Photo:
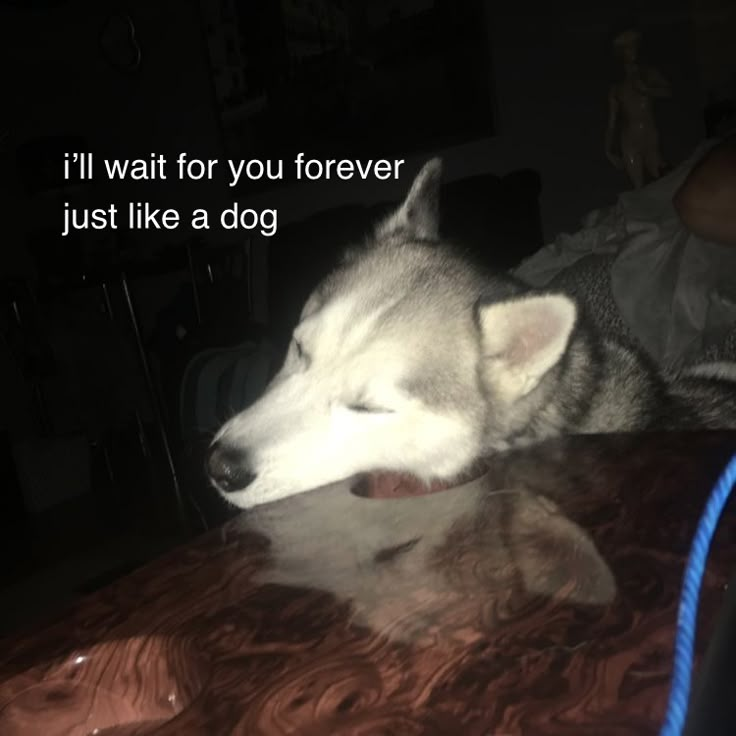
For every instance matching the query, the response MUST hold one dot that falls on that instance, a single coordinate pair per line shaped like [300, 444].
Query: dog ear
[522, 339]
[418, 216]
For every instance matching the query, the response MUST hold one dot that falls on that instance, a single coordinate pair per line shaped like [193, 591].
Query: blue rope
[674, 721]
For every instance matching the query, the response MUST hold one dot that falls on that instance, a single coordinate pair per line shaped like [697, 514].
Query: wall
[58, 85]
[715, 30]
[552, 82]
[552, 75]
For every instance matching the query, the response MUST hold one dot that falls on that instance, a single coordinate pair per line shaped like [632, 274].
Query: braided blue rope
[674, 721]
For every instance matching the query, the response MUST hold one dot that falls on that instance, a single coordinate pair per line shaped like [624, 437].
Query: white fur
[373, 342]
[410, 359]
[524, 338]
[303, 434]
[721, 370]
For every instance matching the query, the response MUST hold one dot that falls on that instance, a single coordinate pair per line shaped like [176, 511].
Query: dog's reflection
[466, 559]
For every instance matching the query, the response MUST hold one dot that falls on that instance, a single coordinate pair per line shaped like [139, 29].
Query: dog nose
[228, 468]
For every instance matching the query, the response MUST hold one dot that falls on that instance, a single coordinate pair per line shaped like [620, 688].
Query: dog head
[406, 358]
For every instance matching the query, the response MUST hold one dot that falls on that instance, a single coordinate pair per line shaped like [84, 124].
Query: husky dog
[411, 359]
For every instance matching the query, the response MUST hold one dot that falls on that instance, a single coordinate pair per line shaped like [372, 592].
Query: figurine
[630, 112]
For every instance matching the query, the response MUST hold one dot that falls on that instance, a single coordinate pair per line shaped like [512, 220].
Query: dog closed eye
[363, 408]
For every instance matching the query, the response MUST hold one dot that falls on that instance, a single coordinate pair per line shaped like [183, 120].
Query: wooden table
[539, 599]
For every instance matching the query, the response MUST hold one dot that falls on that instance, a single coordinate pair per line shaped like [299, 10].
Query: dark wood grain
[537, 599]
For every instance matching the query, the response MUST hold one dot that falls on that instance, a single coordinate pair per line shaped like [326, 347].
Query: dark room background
[534, 98]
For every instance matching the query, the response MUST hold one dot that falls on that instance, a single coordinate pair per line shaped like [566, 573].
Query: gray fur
[410, 358]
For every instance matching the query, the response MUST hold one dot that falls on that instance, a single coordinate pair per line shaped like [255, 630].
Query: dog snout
[229, 467]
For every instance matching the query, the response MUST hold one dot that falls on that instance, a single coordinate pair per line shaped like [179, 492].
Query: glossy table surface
[537, 599]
